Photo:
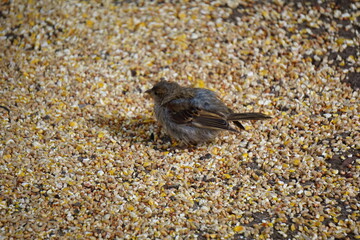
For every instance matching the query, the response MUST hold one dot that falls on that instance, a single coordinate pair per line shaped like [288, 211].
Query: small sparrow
[194, 115]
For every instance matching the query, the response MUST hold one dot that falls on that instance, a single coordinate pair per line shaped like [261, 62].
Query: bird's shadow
[135, 130]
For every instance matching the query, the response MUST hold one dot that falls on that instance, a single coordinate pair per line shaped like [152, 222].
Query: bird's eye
[158, 91]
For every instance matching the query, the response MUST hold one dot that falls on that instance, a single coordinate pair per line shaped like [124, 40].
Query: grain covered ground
[83, 158]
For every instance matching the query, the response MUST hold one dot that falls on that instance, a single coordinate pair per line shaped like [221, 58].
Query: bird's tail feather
[247, 116]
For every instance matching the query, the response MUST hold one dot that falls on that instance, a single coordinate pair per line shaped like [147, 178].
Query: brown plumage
[194, 115]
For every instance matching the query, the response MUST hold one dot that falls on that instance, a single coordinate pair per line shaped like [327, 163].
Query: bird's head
[162, 91]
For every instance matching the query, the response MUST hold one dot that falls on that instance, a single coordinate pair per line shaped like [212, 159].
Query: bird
[194, 115]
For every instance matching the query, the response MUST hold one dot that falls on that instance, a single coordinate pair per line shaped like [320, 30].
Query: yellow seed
[255, 176]
[248, 127]
[239, 228]
[296, 162]
[181, 37]
[79, 79]
[292, 227]
[73, 124]
[227, 175]
[265, 14]
[263, 72]
[199, 83]
[101, 134]
[215, 151]
[21, 174]
[287, 142]
[340, 41]
[140, 25]
[181, 41]
[151, 202]
[89, 23]
[100, 84]
[146, 164]
[79, 147]
[34, 61]
[182, 15]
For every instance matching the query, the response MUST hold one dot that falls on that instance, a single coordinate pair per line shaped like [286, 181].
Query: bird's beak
[149, 93]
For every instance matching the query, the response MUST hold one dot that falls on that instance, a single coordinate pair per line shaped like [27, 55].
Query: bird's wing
[183, 111]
